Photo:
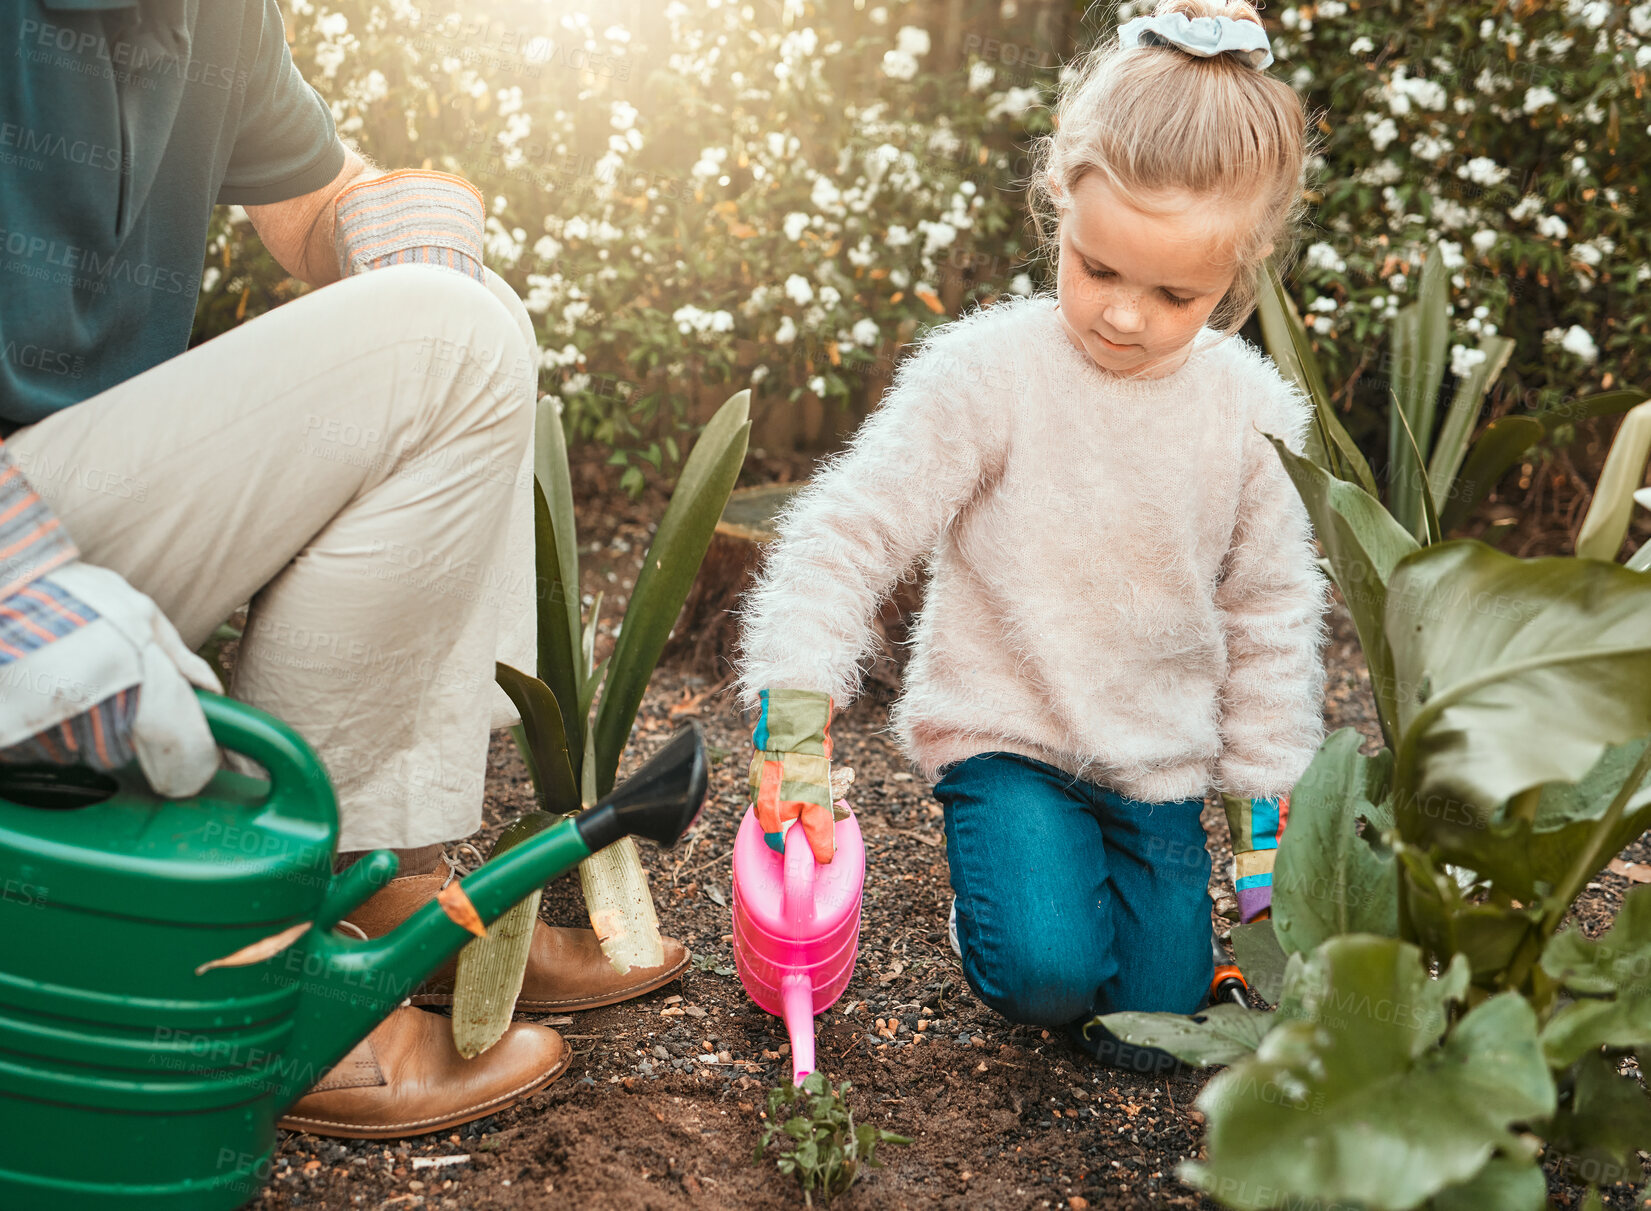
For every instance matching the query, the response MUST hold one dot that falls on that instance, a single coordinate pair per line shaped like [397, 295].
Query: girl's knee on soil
[1124, 609]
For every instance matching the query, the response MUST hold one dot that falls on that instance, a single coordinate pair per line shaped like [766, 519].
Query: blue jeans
[1073, 900]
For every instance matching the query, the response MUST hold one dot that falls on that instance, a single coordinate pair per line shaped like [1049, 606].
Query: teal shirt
[121, 123]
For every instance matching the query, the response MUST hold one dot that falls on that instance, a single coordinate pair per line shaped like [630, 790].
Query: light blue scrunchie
[1201, 36]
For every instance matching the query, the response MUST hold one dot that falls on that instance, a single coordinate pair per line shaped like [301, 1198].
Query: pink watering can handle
[799, 882]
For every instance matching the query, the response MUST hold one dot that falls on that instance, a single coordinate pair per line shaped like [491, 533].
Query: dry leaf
[258, 951]
[460, 910]
[1634, 872]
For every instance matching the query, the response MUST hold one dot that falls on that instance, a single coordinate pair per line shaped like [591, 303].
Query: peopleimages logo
[55, 146]
[85, 267]
[41, 41]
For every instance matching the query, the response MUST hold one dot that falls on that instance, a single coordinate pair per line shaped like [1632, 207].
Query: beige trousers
[357, 465]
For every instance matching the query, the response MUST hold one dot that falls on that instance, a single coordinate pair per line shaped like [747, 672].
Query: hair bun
[1237, 10]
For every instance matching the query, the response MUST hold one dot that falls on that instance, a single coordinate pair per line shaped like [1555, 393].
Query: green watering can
[133, 1073]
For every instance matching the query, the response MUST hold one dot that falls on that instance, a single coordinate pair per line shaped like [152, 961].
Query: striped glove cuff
[410, 217]
[32, 540]
[1257, 825]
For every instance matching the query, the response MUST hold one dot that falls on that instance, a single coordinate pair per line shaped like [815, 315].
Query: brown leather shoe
[565, 967]
[407, 1078]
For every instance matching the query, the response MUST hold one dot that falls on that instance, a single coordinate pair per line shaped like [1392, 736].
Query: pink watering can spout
[797, 926]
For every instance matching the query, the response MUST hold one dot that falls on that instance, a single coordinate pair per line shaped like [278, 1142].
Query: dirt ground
[660, 1108]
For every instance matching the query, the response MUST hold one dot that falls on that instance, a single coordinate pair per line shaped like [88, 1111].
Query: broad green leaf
[1606, 523]
[667, 575]
[1584, 1026]
[1589, 407]
[1221, 1034]
[1469, 401]
[1511, 673]
[1364, 545]
[1526, 859]
[1260, 957]
[1327, 880]
[547, 742]
[1420, 354]
[1328, 444]
[1618, 962]
[1357, 1101]
[1604, 1123]
[1503, 1184]
[559, 665]
[1502, 444]
[490, 970]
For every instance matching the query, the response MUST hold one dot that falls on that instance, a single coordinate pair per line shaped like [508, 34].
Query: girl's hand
[791, 770]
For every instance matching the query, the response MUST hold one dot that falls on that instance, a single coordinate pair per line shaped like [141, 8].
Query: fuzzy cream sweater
[1122, 578]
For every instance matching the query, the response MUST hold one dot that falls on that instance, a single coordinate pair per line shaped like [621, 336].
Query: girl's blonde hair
[1154, 121]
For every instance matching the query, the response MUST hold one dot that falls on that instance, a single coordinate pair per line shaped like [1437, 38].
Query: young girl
[1124, 610]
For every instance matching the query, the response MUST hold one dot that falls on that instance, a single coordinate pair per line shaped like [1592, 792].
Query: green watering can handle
[298, 781]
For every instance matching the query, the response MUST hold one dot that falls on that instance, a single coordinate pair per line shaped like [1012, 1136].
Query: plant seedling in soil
[826, 1147]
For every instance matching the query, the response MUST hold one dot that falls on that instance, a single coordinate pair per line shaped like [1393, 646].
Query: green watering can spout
[140, 1003]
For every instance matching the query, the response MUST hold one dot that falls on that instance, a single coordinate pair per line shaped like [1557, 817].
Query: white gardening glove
[106, 638]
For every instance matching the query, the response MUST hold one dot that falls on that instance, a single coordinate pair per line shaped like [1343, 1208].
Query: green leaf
[1465, 407]
[1364, 545]
[1260, 957]
[667, 575]
[1356, 1102]
[1583, 1026]
[547, 742]
[1512, 673]
[1221, 1034]
[1603, 1124]
[1502, 444]
[1328, 444]
[557, 553]
[1420, 355]
[1606, 523]
[1327, 880]
[1504, 1184]
[1426, 526]
[1618, 962]
[559, 665]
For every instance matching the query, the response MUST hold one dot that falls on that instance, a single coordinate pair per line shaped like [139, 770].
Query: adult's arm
[299, 231]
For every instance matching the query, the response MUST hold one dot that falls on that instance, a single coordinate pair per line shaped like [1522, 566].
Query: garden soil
[661, 1107]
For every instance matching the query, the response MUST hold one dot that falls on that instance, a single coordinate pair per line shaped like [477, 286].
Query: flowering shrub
[693, 193]
[686, 196]
[1512, 135]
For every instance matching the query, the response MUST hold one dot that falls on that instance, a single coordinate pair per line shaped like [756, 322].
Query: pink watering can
[797, 926]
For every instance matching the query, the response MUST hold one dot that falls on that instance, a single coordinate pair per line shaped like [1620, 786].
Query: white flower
[1324, 302]
[1429, 147]
[1398, 282]
[1361, 46]
[622, 115]
[209, 279]
[898, 237]
[1022, 284]
[1643, 55]
[332, 25]
[1384, 133]
[575, 384]
[1484, 241]
[1578, 341]
[899, 279]
[1527, 208]
[866, 332]
[1586, 253]
[1552, 226]
[795, 224]
[879, 15]
[1463, 359]
[1539, 97]
[1014, 103]
[1482, 170]
[787, 331]
[898, 65]
[1451, 253]
[799, 290]
[1323, 256]
[710, 163]
[912, 41]
[758, 373]
[825, 195]
[830, 296]
[1329, 10]
[1639, 19]
[817, 384]
[980, 76]
[936, 236]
